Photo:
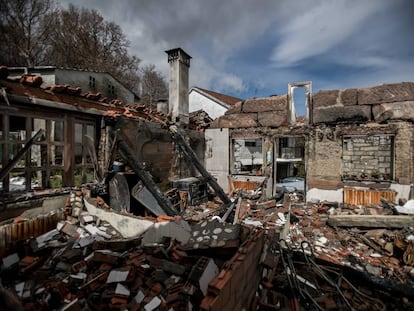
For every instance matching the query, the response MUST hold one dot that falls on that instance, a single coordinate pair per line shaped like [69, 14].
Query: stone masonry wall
[323, 167]
[404, 153]
[378, 151]
[368, 156]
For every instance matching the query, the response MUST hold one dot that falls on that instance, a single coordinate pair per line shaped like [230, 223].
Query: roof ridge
[227, 99]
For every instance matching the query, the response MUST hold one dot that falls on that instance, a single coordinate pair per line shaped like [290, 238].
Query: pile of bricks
[84, 263]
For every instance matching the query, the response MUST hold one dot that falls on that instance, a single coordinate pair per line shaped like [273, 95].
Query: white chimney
[178, 92]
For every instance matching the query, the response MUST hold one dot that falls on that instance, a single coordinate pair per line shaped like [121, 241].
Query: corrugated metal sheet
[367, 196]
[12, 233]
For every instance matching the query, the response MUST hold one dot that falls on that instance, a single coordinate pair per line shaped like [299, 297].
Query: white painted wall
[80, 79]
[216, 156]
[403, 191]
[198, 101]
[325, 195]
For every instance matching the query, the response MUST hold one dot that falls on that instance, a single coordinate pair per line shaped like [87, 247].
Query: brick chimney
[178, 93]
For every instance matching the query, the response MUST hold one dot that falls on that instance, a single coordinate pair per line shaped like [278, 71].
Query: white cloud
[230, 82]
[366, 37]
[316, 30]
[205, 75]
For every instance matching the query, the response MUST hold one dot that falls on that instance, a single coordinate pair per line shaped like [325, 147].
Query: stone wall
[368, 156]
[371, 152]
[324, 161]
[404, 153]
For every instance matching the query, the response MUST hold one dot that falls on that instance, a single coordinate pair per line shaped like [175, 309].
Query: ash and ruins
[208, 202]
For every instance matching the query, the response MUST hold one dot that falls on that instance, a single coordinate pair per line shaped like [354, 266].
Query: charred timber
[145, 177]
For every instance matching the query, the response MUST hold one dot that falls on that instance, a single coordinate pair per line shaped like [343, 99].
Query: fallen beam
[146, 178]
[371, 221]
[192, 157]
[20, 154]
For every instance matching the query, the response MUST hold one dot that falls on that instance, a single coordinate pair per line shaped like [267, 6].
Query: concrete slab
[127, 226]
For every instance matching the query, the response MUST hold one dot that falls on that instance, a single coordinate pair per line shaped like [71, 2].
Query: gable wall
[198, 101]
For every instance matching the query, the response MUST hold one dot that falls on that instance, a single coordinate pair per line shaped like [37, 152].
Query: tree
[36, 32]
[23, 32]
[81, 38]
[153, 86]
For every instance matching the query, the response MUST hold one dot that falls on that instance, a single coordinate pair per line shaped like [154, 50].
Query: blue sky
[254, 48]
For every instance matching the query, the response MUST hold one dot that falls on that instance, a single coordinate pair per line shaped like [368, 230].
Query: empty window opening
[300, 95]
[111, 90]
[92, 82]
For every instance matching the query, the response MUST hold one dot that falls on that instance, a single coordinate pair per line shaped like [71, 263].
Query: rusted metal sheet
[355, 197]
[12, 233]
[247, 185]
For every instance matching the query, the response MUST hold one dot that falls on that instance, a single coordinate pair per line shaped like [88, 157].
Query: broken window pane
[368, 157]
[247, 156]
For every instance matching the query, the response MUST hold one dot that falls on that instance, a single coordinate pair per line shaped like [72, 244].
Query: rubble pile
[315, 265]
[315, 256]
[85, 263]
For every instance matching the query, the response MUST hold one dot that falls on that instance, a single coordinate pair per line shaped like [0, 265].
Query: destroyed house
[137, 153]
[352, 146]
[58, 137]
[88, 80]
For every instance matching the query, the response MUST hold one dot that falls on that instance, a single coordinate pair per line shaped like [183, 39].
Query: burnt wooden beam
[9, 166]
[371, 221]
[192, 157]
[127, 155]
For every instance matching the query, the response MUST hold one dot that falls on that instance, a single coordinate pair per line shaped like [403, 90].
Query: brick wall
[236, 284]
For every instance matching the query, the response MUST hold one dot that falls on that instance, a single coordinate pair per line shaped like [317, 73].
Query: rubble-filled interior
[136, 222]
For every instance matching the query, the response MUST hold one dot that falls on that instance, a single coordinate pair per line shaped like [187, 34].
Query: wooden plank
[371, 221]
